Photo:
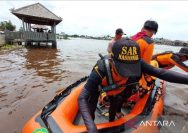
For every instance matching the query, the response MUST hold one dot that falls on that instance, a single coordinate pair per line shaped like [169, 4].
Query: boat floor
[101, 115]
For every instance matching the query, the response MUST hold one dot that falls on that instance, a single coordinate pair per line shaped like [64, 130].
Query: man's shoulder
[112, 41]
[100, 64]
[99, 68]
[145, 39]
[148, 40]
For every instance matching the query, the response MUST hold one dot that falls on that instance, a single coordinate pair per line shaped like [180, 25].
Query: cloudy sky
[99, 18]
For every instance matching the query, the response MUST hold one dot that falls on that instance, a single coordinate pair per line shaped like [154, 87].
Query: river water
[31, 77]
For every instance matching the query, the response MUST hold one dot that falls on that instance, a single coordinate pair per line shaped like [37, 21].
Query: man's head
[119, 33]
[150, 27]
[126, 57]
[183, 53]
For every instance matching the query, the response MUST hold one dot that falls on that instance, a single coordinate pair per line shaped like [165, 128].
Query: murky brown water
[30, 78]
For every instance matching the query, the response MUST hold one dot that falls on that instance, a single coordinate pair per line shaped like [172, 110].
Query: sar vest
[146, 45]
[146, 80]
[117, 79]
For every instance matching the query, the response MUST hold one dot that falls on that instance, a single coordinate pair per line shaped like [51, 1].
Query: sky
[99, 18]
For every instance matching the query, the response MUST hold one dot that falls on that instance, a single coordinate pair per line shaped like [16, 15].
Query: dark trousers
[114, 106]
[117, 101]
[93, 100]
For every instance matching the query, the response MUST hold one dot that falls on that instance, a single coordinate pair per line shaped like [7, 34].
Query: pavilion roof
[36, 14]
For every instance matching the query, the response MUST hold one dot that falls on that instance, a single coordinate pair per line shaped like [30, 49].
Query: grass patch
[9, 47]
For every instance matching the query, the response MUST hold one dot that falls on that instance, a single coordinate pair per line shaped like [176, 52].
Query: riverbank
[10, 47]
[158, 41]
[162, 41]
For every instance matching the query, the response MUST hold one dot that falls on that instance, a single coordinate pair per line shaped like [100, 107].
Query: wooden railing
[30, 36]
[51, 36]
[13, 35]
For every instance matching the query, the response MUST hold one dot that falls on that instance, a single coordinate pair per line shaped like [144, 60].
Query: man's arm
[90, 91]
[175, 60]
[167, 75]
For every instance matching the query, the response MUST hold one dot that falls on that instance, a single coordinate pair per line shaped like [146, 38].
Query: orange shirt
[146, 45]
[146, 48]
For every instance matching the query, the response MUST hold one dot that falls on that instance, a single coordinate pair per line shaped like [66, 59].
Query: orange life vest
[117, 79]
[146, 80]
[164, 59]
[146, 45]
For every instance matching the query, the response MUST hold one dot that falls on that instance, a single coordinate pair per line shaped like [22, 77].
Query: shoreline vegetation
[10, 47]
[159, 41]
[162, 41]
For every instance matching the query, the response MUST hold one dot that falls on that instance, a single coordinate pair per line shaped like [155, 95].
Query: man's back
[118, 35]
[146, 46]
[110, 44]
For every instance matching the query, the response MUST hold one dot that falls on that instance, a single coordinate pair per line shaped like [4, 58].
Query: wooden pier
[34, 17]
[29, 37]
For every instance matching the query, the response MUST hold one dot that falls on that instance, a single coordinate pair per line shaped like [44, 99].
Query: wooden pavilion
[32, 15]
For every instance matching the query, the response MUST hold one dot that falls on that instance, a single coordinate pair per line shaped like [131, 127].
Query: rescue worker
[118, 35]
[144, 40]
[170, 59]
[112, 73]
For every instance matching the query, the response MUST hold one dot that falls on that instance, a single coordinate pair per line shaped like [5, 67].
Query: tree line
[7, 25]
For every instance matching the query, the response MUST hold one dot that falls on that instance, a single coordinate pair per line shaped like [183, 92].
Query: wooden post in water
[54, 43]
[24, 29]
[28, 31]
[29, 27]
[23, 24]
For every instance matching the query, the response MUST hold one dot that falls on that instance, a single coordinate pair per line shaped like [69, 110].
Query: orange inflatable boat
[62, 115]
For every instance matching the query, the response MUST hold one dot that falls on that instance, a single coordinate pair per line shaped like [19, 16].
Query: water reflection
[45, 61]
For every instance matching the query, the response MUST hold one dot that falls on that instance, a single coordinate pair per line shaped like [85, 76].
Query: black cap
[126, 56]
[119, 31]
[151, 25]
[184, 51]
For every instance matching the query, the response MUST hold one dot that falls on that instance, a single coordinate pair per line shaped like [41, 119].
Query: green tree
[4, 25]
